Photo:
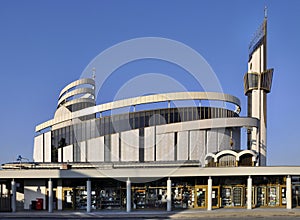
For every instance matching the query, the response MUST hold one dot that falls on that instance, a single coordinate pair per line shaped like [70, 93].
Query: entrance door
[238, 196]
[215, 196]
[201, 196]
[260, 196]
[296, 196]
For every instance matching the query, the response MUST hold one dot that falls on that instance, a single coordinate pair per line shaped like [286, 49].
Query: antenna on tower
[266, 12]
[94, 73]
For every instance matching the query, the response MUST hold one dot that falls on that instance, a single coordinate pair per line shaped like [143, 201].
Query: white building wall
[165, 147]
[212, 140]
[130, 145]
[224, 139]
[38, 148]
[115, 147]
[202, 144]
[182, 145]
[194, 145]
[68, 153]
[82, 146]
[34, 189]
[47, 146]
[59, 155]
[95, 149]
[149, 143]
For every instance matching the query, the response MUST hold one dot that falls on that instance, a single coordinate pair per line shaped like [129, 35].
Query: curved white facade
[171, 134]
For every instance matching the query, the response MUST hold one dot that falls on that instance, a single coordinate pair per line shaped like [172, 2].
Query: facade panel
[183, 146]
[47, 146]
[149, 143]
[165, 147]
[38, 148]
[95, 150]
[194, 145]
[115, 147]
[68, 153]
[130, 145]
[212, 140]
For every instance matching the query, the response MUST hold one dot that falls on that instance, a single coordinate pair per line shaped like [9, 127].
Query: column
[289, 192]
[88, 196]
[169, 192]
[128, 195]
[50, 195]
[249, 193]
[13, 196]
[209, 194]
[59, 194]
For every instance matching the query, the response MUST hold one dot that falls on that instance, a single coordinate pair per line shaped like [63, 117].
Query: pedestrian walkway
[183, 214]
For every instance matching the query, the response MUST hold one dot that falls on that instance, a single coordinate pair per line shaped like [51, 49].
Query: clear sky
[44, 45]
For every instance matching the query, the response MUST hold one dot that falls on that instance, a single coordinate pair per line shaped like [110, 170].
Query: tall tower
[257, 84]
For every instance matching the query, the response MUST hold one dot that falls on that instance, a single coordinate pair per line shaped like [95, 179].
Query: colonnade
[129, 194]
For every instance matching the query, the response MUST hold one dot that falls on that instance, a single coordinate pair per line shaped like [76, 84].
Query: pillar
[289, 192]
[59, 194]
[169, 193]
[249, 193]
[50, 195]
[13, 196]
[88, 196]
[128, 195]
[209, 194]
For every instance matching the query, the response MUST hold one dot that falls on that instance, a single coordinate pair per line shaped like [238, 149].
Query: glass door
[215, 196]
[201, 195]
[283, 196]
[238, 195]
[260, 196]
[227, 196]
[296, 196]
[272, 196]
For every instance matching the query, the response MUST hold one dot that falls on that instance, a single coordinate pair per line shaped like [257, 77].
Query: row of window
[134, 120]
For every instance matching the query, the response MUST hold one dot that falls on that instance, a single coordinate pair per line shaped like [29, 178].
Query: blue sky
[44, 45]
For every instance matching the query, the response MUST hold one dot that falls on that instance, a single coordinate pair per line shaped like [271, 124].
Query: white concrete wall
[34, 189]
[38, 148]
[224, 139]
[203, 148]
[149, 143]
[47, 146]
[212, 140]
[115, 147]
[83, 155]
[68, 153]
[59, 155]
[130, 145]
[165, 147]
[182, 145]
[194, 145]
[95, 149]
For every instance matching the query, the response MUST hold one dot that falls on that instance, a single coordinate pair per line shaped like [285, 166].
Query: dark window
[141, 145]
[107, 148]
[175, 145]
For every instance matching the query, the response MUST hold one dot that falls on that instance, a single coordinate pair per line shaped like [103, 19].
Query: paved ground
[260, 213]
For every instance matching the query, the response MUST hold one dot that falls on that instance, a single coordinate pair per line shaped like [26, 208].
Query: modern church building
[114, 156]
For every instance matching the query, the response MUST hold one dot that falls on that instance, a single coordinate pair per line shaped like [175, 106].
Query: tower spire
[266, 12]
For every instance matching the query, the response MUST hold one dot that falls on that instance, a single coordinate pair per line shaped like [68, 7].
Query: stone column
[249, 193]
[50, 195]
[13, 196]
[209, 194]
[289, 192]
[88, 196]
[128, 195]
[169, 194]
[59, 194]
